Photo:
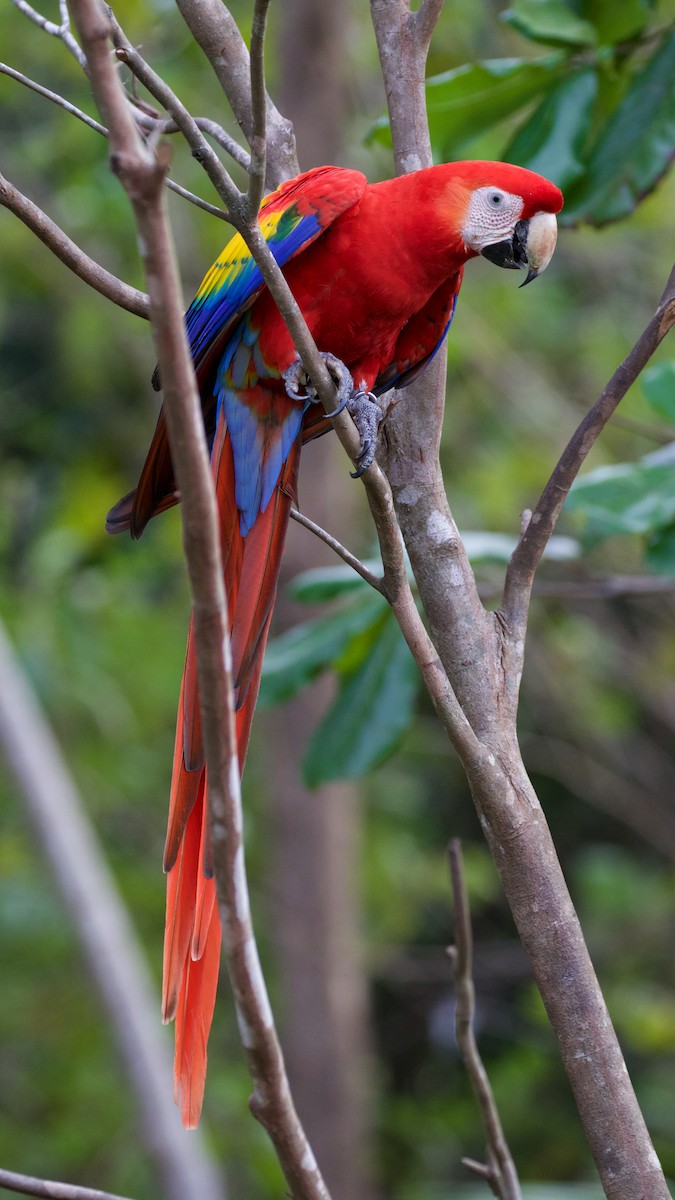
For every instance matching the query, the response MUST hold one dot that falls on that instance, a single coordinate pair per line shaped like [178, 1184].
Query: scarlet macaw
[376, 269]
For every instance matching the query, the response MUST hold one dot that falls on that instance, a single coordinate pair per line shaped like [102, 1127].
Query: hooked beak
[531, 246]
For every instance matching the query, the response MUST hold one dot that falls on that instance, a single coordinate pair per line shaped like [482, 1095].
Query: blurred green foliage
[100, 623]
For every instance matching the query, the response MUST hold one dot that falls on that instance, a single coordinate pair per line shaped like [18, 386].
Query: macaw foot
[364, 408]
[300, 387]
[366, 412]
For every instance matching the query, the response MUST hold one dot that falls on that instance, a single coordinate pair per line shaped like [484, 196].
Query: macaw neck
[412, 230]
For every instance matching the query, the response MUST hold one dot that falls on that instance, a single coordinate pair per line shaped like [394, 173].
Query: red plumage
[376, 270]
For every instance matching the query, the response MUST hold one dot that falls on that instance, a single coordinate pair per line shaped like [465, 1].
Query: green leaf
[466, 101]
[635, 147]
[297, 655]
[551, 21]
[615, 22]
[636, 498]
[658, 385]
[552, 141]
[372, 709]
[661, 552]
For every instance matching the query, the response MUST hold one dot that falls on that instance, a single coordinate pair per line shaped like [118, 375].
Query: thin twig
[216, 32]
[346, 555]
[201, 149]
[501, 1172]
[258, 138]
[49, 1189]
[224, 139]
[146, 121]
[62, 31]
[581, 590]
[185, 194]
[70, 254]
[533, 540]
[54, 97]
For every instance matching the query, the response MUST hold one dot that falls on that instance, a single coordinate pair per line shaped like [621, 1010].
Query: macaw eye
[496, 199]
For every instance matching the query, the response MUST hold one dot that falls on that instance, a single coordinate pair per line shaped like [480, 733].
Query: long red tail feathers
[192, 933]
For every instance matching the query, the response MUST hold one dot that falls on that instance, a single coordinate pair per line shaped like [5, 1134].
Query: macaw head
[509, 215]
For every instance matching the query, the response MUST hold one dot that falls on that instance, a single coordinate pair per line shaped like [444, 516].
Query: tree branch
[500, 1172]
[102, 925]
[219, 176]
[53, 96]
[49, 1189]
[533, 540]
[258, 138]
[147, 122]
[483, 658]
[70, 254]
[142, 176]
[424, 22]
[62, 31]
[346, 555]
[216, 31]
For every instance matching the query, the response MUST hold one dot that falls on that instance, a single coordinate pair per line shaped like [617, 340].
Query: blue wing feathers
[215, 306]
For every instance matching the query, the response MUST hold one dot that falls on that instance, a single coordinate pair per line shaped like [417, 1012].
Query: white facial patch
[491, 217]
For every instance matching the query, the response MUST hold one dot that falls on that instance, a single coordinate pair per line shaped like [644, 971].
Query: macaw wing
[290, 219]
[421, 338]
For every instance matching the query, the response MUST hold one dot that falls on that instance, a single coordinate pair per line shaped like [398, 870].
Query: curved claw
[365, 459]
[340, 408]
[296, 381]
[363, 407]
[299, 386]
[366, 414]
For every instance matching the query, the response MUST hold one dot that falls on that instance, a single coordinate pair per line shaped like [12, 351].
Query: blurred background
[349, 879]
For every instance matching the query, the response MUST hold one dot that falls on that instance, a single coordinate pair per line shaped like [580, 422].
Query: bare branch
[201, 150]
[424, 21]
[185, 194]
[54, 97]
[102, 924]
[403, 61]
[30, 1185]
[146, 121]
[342, 551]
[70, 254]
[62, 31]
[223, 138]
[483, 657]
[142, 177]
[533, 540]
[501, 1171]
[482, 1170]
[582, 590]
[216, 31]
[258, 138]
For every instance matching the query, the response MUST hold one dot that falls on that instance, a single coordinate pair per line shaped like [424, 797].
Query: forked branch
[533, 541]
[499, 1171]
